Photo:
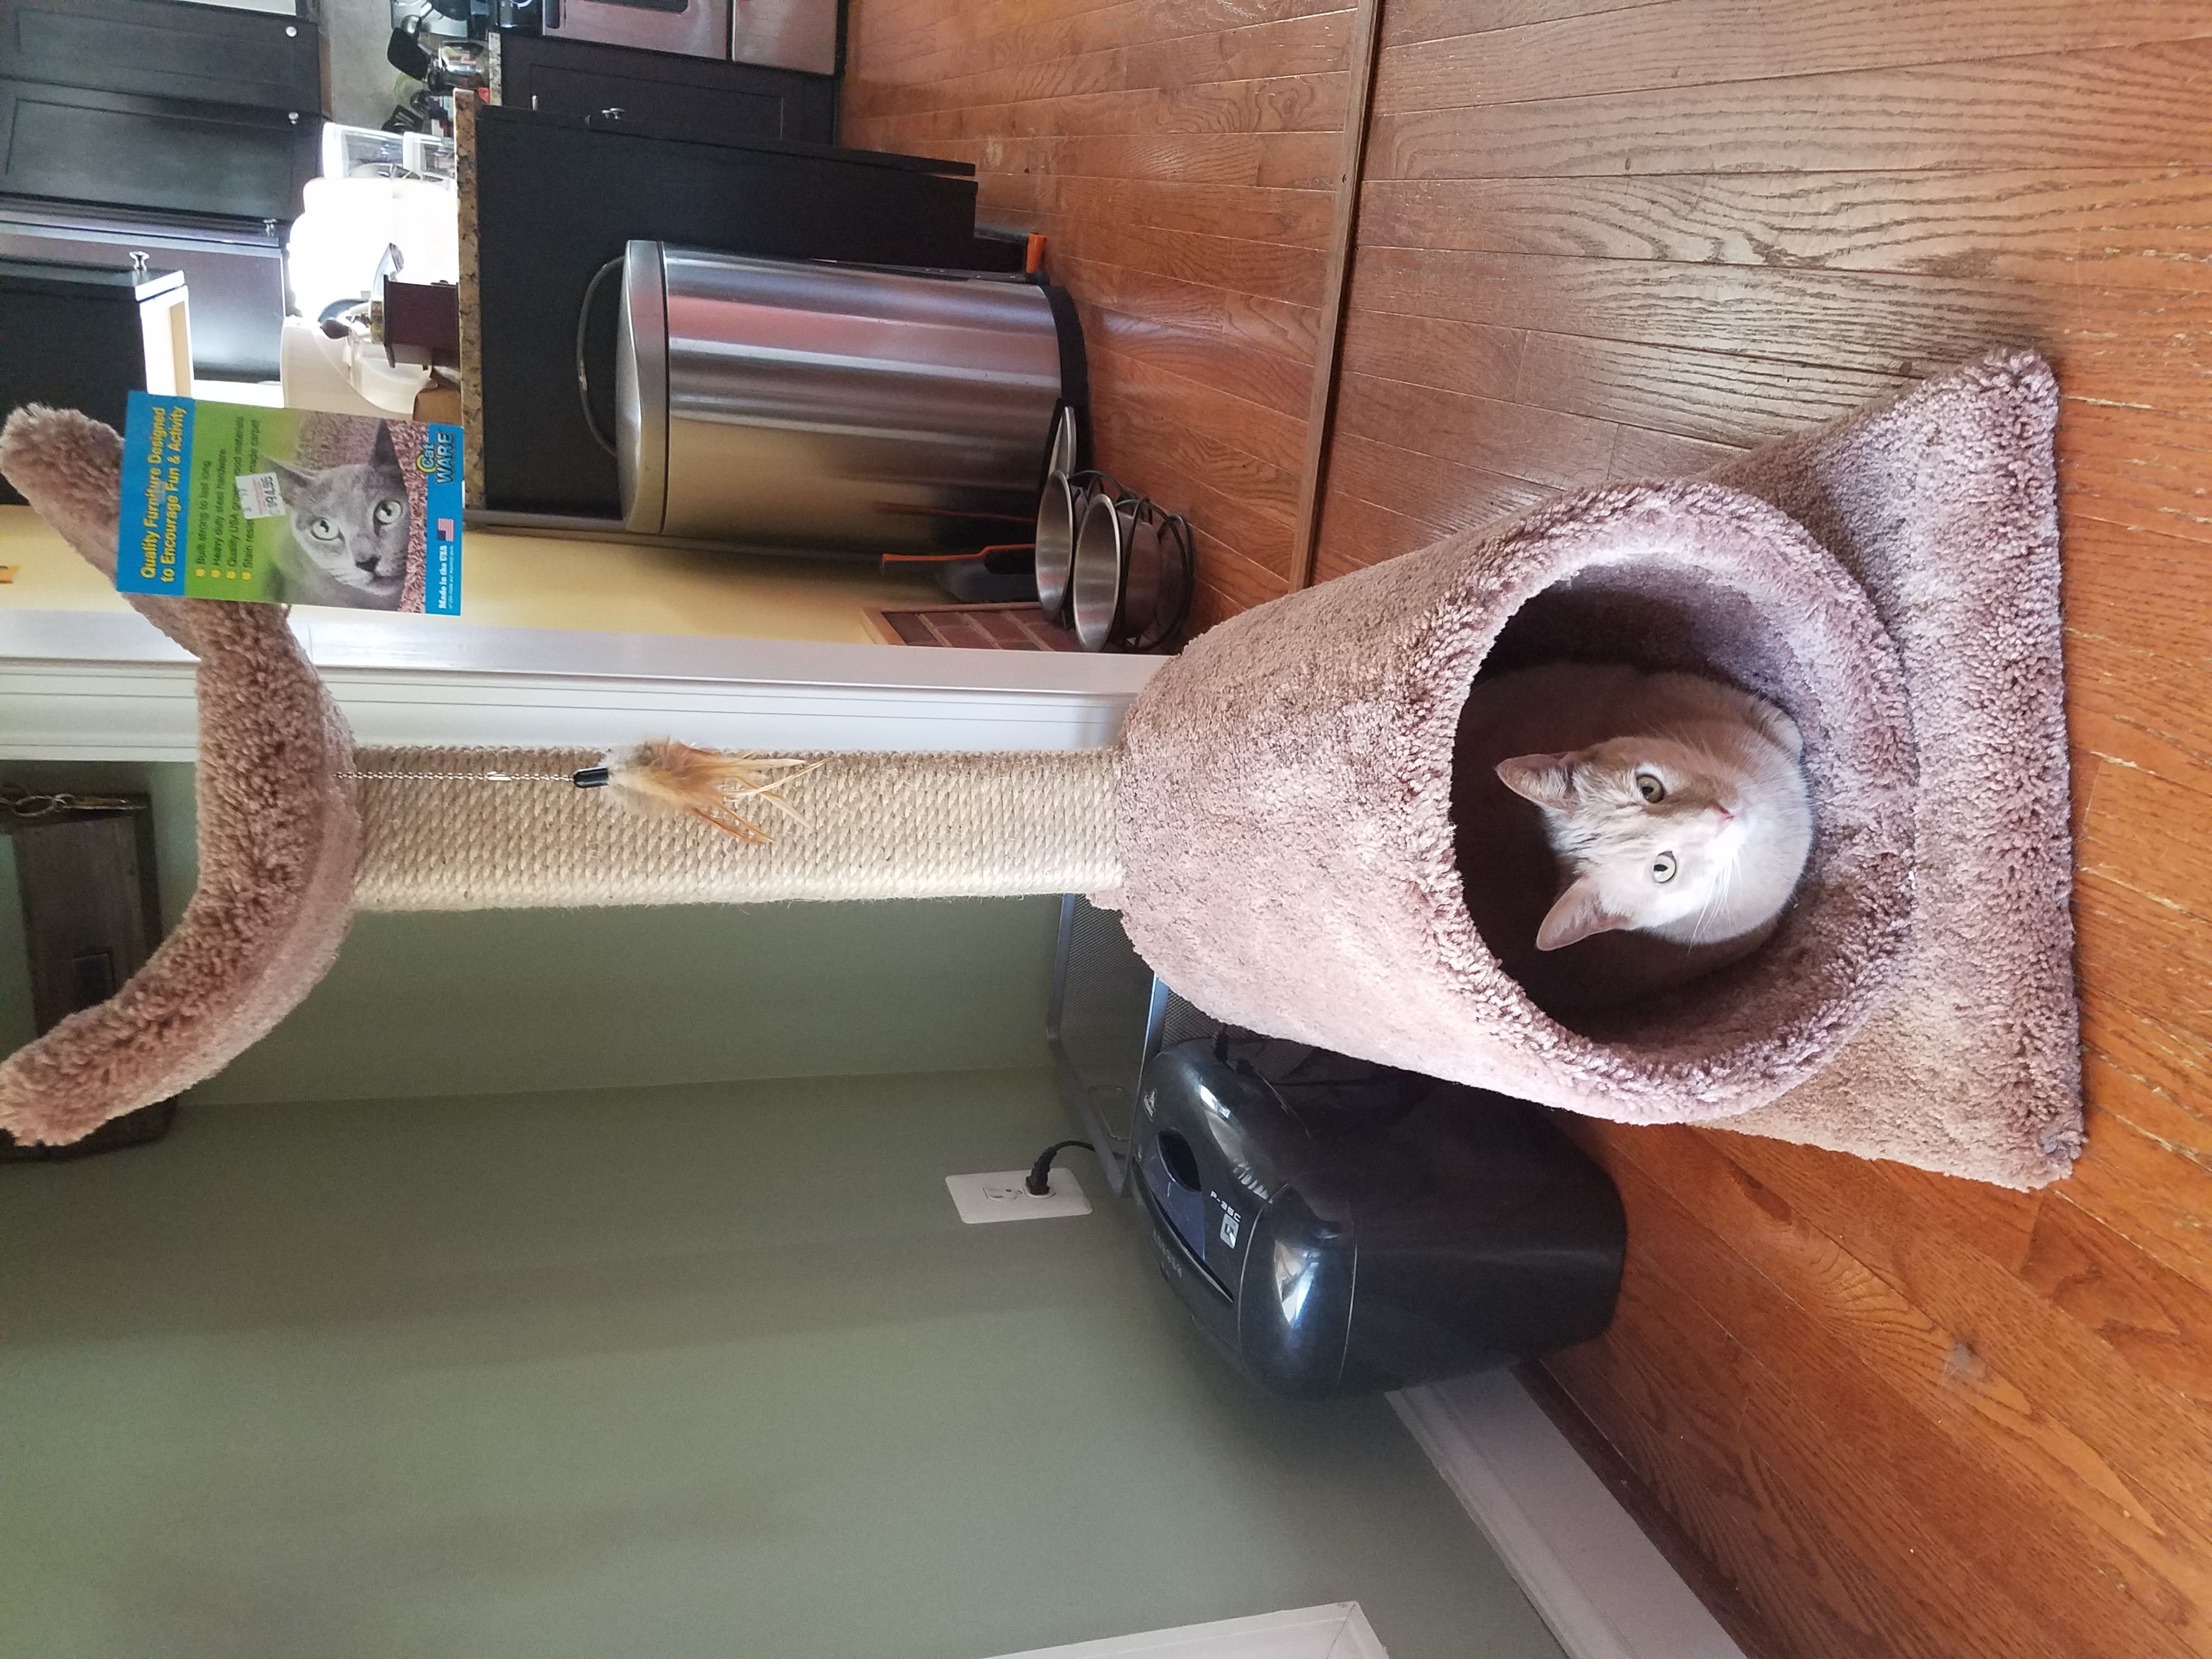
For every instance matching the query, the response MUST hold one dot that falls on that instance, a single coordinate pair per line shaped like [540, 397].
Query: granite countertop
[465, 184]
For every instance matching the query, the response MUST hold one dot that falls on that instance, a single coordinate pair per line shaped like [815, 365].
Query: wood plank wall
[1604, 239]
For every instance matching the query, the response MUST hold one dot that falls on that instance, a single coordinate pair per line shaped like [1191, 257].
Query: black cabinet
[121, 149]
[160, 49]
[698, 98]
[69, 337]
[556, 199]
[195, 109]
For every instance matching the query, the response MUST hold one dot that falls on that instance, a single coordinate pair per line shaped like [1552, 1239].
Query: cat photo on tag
[244, 503]
[350, 533]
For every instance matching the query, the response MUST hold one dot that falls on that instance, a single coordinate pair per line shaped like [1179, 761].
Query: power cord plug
[1040, 1180]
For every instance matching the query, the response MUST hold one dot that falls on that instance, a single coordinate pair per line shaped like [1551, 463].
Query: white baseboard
[1338, 1630]
[1597, 1580]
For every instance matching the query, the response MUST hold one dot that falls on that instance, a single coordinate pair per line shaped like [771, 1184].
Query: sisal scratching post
[862, 827]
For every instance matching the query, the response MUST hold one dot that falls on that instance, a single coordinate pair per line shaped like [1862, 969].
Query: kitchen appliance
[86, 336]
[697, 99]
[813, 405]
[695, 28]
[236, 272]
[460, 64]
[373, 152]
[797, 34]
[1340, 1228]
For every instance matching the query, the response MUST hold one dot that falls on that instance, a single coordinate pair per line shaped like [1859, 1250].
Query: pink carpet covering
[1944, 507]
[1287, 820]
[279, 832]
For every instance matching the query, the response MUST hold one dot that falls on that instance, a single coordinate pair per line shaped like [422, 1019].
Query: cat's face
[1652, 826]
[351, 521]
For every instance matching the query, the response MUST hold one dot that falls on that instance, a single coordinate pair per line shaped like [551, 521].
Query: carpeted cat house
[1280, 825]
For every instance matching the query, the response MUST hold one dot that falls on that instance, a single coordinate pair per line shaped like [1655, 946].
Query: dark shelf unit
[696, 98]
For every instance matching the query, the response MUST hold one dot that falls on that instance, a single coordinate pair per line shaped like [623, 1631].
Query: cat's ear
[1578, 913]
[289, 473]
[1784, 730]
[1547, 780]
[381, 453]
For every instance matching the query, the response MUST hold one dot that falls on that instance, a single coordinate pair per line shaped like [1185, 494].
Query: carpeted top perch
[1278, 825]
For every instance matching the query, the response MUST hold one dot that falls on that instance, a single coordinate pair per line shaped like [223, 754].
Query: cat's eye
[1649, 787]
[323, 531]
[388, 510]
[1663, 867]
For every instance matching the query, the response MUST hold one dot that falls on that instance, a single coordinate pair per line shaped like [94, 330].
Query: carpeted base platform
[1944, 505]
[1287, 837]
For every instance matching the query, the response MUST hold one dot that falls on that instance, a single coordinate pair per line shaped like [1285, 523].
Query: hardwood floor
[1600, 239]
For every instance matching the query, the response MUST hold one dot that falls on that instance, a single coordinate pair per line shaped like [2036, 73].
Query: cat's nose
[1721, 813]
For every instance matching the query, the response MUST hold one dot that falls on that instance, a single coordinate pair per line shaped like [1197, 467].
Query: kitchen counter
[471, 372]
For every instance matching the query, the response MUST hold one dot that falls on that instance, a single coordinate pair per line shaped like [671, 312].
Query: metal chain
[461, 777]
[20, 803]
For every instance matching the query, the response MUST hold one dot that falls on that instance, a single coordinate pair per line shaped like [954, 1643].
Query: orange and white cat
[1688, 819]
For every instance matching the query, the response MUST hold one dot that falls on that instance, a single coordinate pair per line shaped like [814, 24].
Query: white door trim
[1598, 1581]
[1338, 1631]
[104, 686]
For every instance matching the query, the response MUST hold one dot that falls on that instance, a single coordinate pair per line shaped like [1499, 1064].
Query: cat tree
[1275, 825]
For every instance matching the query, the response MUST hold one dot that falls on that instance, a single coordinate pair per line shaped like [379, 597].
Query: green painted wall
[489, 1001]
[698, 1370]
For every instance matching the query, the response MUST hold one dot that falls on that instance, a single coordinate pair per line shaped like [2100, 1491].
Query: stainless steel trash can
[831, 407]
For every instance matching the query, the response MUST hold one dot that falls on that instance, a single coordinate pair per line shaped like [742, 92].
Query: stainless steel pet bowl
[1067, 495]
[1055, 542]
[1130, 584]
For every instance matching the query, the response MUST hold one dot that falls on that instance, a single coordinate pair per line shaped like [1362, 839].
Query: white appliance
[795, 34]
[337, 246]
[345, 376]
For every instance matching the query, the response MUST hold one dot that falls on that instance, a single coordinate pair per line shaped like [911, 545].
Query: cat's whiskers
[1719, 891]
[1705, 911]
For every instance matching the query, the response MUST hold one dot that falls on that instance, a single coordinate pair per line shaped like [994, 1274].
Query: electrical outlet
[1004, 1196]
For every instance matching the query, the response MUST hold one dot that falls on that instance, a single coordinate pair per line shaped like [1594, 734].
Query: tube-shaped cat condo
[1287, 825]
[1289, 806]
